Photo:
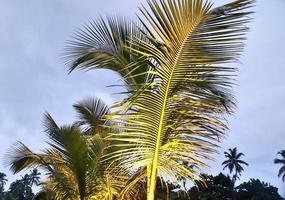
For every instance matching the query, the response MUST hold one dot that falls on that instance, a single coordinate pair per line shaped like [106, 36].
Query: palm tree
[281, 161]
[234, 163]
[28, 180]
[73, 160]
[3, 179]
[34, 177]
[178, 83]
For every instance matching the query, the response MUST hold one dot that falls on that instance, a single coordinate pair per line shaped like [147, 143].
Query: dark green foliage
[169, 191]
[218, 187]
[257, 190]
[20, 189]
[45, 194]
[221, 187]
[165, 191]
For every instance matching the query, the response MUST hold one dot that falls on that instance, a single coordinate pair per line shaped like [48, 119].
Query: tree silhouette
[20, 189]
[3, 181]
[34, 177]
[220, 187]
[257, 190]
[234, 163]
[281, 172]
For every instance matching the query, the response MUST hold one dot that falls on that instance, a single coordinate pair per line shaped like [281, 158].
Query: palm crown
[281, 161]
[234, 162]
[179, 85]
[3, 181]
[73, 159]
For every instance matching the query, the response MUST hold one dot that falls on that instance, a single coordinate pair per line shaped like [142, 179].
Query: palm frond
[91, 114]
[281, 172]
[74, 150]
[105, 43]
[282, 153]
[279, 161]
[179, 117]
[49, 124]
[242, 162]
[20, 157]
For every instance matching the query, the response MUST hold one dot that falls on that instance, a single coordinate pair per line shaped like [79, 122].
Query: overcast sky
[33, 78]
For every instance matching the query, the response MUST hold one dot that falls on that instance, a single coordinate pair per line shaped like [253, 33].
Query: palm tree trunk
[152, 185]
[235, 178]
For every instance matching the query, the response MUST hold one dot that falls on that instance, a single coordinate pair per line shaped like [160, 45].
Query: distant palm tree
[234, 163]
[281, 161]
[27, 183]
[34, 177]
[3, 179]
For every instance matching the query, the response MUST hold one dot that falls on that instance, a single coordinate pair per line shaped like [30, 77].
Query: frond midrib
[165, 100]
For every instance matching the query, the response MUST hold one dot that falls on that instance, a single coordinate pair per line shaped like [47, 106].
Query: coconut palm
[178, 82]
[28, 181]
[34, 177]
[3, 180]
[281, 161]
[65, 162]
[234, 163]
[72, 161]
[91, 116]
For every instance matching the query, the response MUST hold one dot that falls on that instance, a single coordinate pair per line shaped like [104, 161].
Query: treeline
[220, 187]
[209, 187]
[20, 189]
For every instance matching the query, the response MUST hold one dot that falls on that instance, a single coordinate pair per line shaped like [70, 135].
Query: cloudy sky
[33, 78]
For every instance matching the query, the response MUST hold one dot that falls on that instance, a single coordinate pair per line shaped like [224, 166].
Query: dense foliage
[220, 187]
[20, 189]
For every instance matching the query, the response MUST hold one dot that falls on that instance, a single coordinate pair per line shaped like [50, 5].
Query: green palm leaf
[23, 158]
[106, 44]
[179, 116]
[91, 113]
[72, 162]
